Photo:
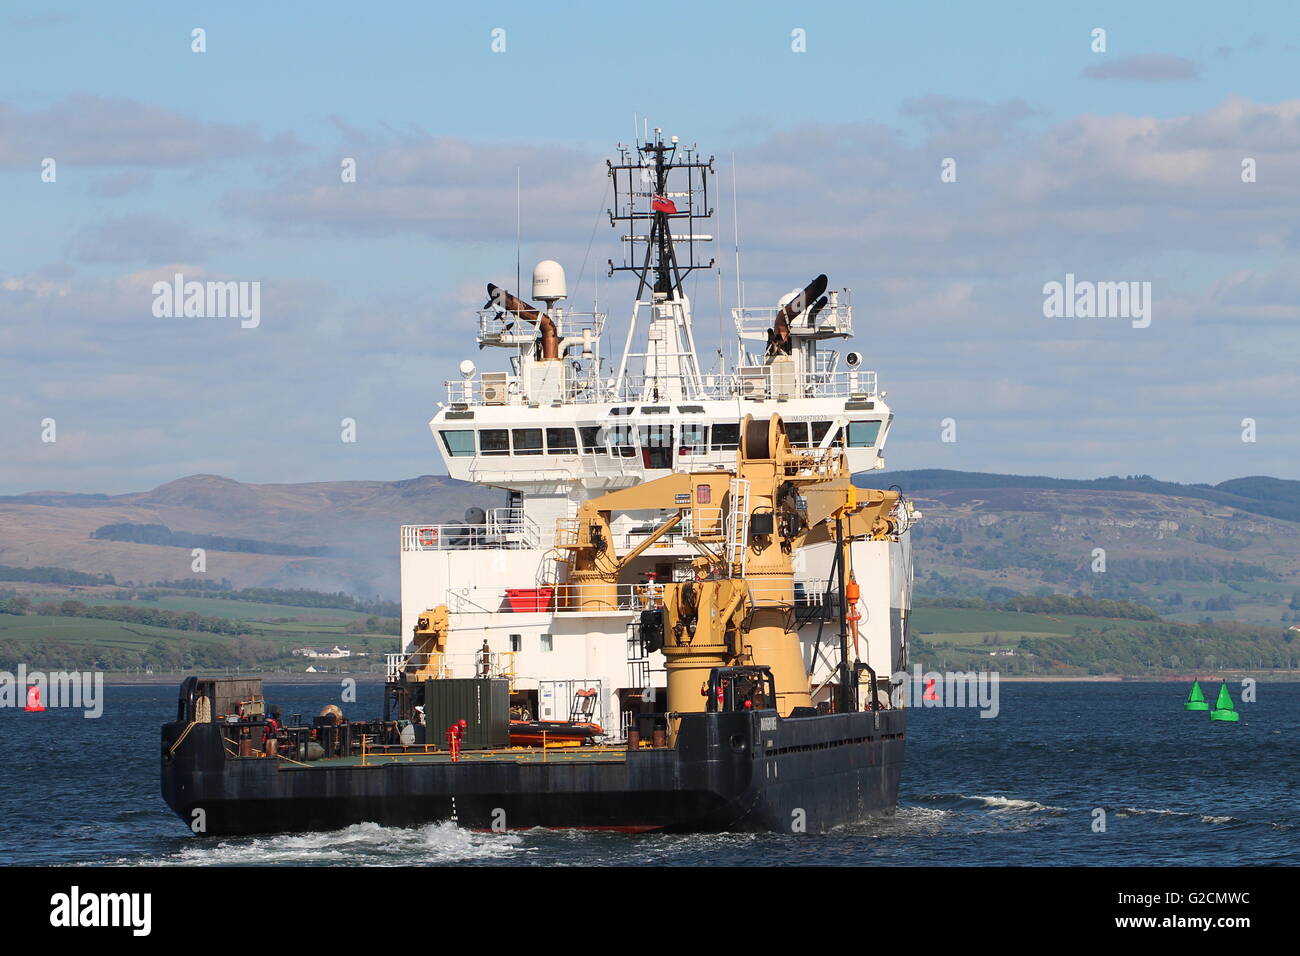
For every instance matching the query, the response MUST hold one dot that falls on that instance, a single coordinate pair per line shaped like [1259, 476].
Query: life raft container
[555, 733]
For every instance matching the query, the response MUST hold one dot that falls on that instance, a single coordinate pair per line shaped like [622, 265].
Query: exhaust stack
[547, 333]
[778, 337]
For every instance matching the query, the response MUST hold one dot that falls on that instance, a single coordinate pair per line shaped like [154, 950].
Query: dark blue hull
[745, 771]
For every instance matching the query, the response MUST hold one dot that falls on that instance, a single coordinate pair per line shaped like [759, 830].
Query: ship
[690, 613]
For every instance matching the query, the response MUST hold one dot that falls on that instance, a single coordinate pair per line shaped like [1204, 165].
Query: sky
[1123, 164]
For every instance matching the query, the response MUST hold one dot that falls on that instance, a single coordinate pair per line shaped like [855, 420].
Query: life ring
[428, 537]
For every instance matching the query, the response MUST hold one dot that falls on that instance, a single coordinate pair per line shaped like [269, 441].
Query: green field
[976, 638]
[935, 623]
[59, 641]
[90, 631]
[80, 630]
[238, 610]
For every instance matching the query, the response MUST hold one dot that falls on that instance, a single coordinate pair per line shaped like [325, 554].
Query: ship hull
[749, 771]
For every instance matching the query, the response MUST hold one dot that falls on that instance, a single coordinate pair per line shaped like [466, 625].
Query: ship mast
[644, 202]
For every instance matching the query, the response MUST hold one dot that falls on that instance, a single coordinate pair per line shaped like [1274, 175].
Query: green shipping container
[483, 703]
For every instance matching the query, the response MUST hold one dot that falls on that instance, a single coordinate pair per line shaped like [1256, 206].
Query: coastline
[111, 679]
[173, 680]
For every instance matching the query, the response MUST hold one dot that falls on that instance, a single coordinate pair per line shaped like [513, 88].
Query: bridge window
[863, 434]
[819, 432]
[694, 440]
[528, 441]
[561, 441]
[622, 444]
[494, 441]
[725, 437]
[459, 444]
[592, 442]
[657, 445]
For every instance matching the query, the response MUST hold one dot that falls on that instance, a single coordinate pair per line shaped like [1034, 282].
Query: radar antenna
[642, 196]
[648, 206]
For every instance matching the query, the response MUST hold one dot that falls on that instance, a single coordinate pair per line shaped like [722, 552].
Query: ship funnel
[811, 293]
[501, 299]
[817, 307]
[792, 305]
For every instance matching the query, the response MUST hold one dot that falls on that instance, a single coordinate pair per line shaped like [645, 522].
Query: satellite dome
[548, 281]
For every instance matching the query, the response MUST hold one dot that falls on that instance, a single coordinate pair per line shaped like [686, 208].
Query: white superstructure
[562, 421]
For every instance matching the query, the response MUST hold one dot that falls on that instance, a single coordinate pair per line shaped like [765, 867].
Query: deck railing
[466, 663]
[835, 319]
[564, 599]
[757, 382]
[502, 528]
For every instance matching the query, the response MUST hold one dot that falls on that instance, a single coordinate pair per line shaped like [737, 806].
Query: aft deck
[513, 755]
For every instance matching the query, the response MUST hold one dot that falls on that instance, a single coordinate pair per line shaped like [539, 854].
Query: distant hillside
[331, 536]
[161, 534]
[1274, 497]
[1227, 552]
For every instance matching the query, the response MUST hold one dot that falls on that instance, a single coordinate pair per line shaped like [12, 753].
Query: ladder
[553, 570]
[738, 527]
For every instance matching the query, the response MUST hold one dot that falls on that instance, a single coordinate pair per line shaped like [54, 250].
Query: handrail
[501, 664]
[628, 597]
[757, 382]
[503, 527]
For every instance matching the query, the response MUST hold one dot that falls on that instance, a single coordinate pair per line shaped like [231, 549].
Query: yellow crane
[747, 525]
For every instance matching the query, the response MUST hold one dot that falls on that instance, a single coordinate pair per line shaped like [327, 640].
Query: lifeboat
[553, 733]
[578, 730]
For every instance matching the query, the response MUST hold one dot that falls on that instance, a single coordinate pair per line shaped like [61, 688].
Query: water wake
[995, 803]
[363, 843]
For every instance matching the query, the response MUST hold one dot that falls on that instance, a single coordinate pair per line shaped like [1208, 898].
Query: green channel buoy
[1196, 699]
[1223, 707]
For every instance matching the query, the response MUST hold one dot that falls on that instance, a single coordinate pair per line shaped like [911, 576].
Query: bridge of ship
[620, 443]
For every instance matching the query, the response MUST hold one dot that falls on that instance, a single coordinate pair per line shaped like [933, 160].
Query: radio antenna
[518, 235]
[735, 231]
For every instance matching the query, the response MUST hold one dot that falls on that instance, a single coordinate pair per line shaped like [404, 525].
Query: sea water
[1067, 774]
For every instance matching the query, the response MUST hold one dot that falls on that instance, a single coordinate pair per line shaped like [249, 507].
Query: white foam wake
[364, 843]
[1003, 804]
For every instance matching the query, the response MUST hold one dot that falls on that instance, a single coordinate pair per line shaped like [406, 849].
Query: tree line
[1152, 647]
[162, 535]
[150, 616]
[1048, 604]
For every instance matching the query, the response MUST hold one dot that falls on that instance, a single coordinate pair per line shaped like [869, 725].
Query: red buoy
[34, 698]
